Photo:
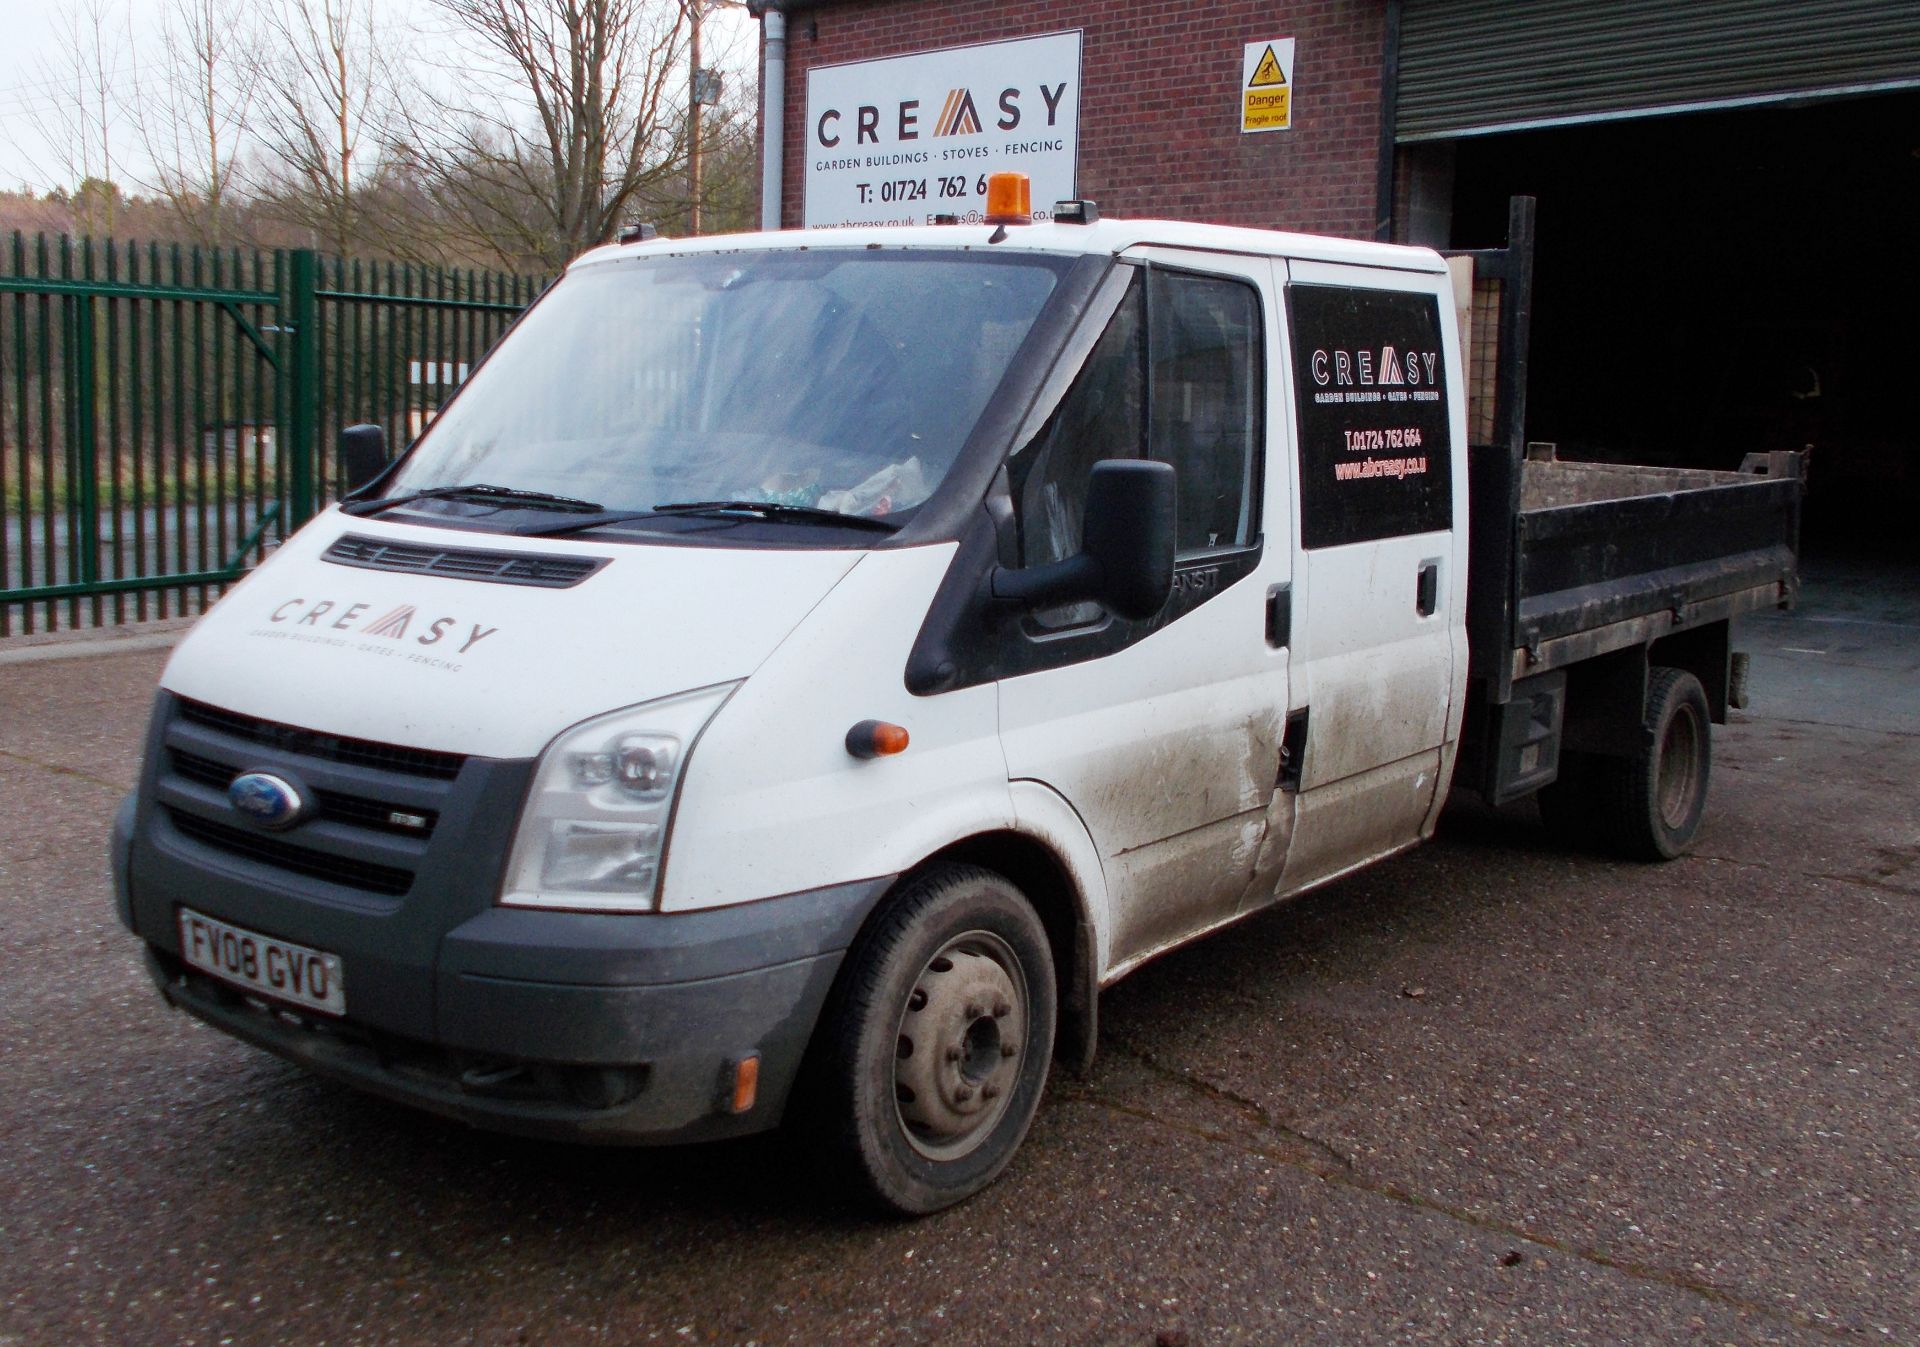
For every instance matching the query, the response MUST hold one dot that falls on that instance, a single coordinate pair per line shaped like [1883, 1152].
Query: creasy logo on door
[1390, 369]
[400, 623]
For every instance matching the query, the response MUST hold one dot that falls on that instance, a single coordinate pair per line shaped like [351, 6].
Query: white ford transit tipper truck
[798, 672]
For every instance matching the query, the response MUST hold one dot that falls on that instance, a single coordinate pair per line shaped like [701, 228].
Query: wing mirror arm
[1070, 581]
[1125, 563]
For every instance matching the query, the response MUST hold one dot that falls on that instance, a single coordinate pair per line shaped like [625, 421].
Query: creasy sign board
[1266, 86]
[906, 138]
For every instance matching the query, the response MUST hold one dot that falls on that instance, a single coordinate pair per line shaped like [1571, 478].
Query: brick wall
[1159, 113]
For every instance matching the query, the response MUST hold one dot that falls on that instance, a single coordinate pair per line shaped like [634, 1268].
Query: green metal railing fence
[168, 413]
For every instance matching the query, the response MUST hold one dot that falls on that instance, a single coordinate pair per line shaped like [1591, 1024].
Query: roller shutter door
[1470, 67]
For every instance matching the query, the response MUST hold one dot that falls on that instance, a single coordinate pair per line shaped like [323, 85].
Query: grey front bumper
[621, 1030]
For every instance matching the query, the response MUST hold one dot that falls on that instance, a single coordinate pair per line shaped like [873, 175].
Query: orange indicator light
[1009, 199]
[746, 1082]
[876, 739]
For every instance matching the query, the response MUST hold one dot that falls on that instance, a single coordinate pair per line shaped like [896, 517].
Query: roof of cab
[1103, 237]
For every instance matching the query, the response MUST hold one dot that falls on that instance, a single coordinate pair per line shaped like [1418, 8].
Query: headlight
[595, 826]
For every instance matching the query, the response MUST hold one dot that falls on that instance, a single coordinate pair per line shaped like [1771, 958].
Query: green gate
[168, 414]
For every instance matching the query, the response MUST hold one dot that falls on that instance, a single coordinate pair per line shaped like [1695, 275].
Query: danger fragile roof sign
[902, 140]
[1266, 86]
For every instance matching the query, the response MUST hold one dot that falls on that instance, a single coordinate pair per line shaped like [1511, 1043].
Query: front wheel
[937, 1049]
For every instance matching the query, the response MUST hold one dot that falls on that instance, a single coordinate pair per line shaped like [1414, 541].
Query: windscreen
[827, 378]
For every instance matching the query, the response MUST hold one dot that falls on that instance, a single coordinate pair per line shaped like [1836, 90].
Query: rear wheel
[938, 1047]
[1660, 793]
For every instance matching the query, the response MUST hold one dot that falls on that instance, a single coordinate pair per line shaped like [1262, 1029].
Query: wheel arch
[1606, 700]
[1607, 694]
[1046, 879]
[1706, 652]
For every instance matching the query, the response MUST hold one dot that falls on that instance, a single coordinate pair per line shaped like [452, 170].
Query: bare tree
[729, 184]
[580, 117]
[324, 106]
[193, 114]
[81, 116]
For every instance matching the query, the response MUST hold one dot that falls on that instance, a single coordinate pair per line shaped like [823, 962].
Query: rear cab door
[1379, 658]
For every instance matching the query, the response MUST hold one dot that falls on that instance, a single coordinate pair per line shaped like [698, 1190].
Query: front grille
[344, 808]
[204, 770]
[332, 747]
[542, 569]
[375, 814]
[374, 806]
[343, 870]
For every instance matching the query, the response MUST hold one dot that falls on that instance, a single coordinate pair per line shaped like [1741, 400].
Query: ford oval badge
[269, 800]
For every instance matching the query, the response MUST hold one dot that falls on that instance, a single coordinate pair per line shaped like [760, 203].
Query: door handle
[1279, 616]
[1427, 597]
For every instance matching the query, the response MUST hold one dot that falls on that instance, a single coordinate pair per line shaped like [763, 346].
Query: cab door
[1380, 576]
[1164, 735]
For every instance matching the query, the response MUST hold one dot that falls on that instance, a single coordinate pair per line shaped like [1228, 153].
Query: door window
[1205, 402]
[1174, 377]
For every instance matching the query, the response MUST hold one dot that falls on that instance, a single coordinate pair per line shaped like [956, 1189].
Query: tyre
[1660, 793]
[938, 1042]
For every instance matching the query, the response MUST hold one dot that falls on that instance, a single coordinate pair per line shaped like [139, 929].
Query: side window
[1375, 452]
[1174, 377]
[1205, 394]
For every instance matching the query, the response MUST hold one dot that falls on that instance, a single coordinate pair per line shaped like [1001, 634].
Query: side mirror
[363, 455]
[1125, 562]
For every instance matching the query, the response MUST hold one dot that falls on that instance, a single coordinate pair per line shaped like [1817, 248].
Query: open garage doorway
[1713, 284]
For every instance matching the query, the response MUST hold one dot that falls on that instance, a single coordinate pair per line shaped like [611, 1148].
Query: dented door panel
[1360, 818]
[1171, 766]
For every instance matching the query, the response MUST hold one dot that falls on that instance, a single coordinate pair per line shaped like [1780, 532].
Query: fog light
[603, 1086]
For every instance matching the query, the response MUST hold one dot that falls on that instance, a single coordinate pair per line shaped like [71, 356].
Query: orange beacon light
[1009, 199]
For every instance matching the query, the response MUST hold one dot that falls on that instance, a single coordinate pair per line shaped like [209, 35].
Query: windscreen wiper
[767, 509]
[485, 492]
[763, 509]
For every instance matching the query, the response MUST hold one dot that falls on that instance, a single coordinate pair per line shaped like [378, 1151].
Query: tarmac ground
[1487, 1092]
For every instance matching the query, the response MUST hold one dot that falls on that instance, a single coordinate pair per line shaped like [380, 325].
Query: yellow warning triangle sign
[1268, 72]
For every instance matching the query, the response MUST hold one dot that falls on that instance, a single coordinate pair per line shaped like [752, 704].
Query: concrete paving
[1489, 1092]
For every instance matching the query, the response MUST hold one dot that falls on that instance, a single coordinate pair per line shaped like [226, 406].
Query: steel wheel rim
[960, 1044]
[1679, 784]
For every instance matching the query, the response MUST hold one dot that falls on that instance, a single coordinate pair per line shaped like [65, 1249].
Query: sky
[31, 89]
[32, 55]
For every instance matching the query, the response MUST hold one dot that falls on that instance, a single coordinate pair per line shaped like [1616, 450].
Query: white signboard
[1266, 86]
[901, 140]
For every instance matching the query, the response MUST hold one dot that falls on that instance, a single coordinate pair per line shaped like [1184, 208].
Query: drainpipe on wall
[1389, 115]
[773, 112]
